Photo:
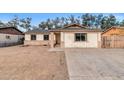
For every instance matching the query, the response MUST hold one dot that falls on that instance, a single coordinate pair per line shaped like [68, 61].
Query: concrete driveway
[95, 63]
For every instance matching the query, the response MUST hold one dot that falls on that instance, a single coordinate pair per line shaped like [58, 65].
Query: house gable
[10, 30]
[75, 26]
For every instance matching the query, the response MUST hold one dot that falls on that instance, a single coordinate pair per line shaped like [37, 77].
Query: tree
[42, 25]
[56, 22]
[98, 20]
[46, 24]
[2, 24]
[66, 21]
[117, 23]
[86, 19]
[78, 21]
[26, 23]
[62, 21]
[35, 28]
[104, 22]
[122, 23]
[112, 20]
[92, 21]
[14, 22]
[71, 19]
[49, 24]
[108, 21]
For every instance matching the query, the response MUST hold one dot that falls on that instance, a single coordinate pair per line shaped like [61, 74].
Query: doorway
[58, 40]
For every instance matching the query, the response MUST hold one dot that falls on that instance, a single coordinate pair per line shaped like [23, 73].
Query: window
[33, 37]
[7, 37]
[46, 37]
[80, 36]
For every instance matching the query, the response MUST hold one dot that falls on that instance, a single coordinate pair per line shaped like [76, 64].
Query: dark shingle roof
[74, 28]
[14, 32]
[69, 28]
[37, 31]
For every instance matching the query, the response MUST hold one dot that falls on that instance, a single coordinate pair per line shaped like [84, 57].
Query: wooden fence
[113, 42]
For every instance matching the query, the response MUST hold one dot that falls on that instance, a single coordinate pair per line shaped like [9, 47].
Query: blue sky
[38, 17]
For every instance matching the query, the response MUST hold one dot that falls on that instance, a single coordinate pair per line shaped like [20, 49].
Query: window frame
[80, 37]
[8, 37]
[44, 38]
[32, 39]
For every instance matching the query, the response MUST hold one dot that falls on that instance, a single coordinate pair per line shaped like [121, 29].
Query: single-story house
[37, 37]
[114, 31]
[71, 36]
[10, 36]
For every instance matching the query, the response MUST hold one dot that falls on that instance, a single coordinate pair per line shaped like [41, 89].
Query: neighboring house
[70, 36]
[114, 31]
[37, 37]
[10, 36]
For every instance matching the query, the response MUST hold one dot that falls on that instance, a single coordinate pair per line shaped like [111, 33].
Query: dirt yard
[32, 63]
[95, 64]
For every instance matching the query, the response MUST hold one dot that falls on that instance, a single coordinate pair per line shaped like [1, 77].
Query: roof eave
[74, 31]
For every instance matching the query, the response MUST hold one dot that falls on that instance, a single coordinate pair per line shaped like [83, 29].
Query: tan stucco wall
[36, 42]
[27, 37]
[67, 40]
[62, 36]
[13, 38]
[92, 40]
[38, 37]
[39, 40]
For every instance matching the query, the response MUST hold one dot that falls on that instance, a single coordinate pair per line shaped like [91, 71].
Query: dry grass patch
[32, 62]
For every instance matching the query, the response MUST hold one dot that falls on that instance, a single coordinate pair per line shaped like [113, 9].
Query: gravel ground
[32, 63]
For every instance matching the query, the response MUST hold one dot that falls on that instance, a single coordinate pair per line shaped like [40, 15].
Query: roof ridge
[74, 24]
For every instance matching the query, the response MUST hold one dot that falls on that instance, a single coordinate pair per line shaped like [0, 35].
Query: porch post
[52, 40]
[61, 39]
